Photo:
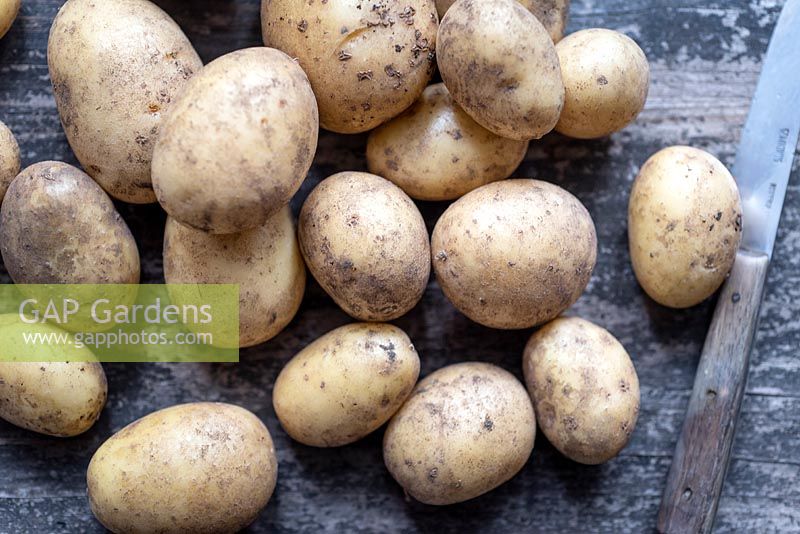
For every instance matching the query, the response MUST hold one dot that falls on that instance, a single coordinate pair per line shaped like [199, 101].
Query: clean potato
[584, 389]
[345, 384]
[9, 158]
[116, 68]
[514, 254]
[553, 14]
[684, 226]
[366, 61]
[8, 13]
[201, 467]
[466, 429]
[500, 65]
[435, 151]
[265, 262]
[606, 76]
[238, 142]
[57, 226]
[366, 244]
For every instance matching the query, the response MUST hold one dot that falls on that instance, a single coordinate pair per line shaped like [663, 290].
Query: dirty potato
[9, 158]
[435, 151]
[501, 67]
[466, 429]
[553, 14]
[201, 467]
[116, 68]
[8, 13]
[606, 76]
[367, 61]
[584, 389]
[366, 244]
[57, 226]
[238, 142]
[684, 226]
[346, 384]
[514, 254]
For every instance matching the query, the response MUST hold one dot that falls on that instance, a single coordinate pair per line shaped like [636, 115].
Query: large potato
[684, 226]
[9, 158]
[116, 68]
[435, 151]
[367, 61]
[366, 243]
[514, 254]
[201, 467]
[265, 262]
[553, 14]
[345, 384]
[57, 226]
[606, 76]
[584, 389]
[8, 13]
[238, 142]
[466, 429]
[500, 65]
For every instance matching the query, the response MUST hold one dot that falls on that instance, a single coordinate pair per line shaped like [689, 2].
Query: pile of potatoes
[224, 147]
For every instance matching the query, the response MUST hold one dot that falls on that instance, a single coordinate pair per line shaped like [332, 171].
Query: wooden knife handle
[703, 450]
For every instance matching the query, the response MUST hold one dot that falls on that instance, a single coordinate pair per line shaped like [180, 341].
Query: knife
[762, 168]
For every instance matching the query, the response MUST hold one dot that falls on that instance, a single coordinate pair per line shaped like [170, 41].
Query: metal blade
[766, 150]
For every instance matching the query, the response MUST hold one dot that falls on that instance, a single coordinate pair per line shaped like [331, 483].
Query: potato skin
[116, 68]
[367, 62]
[466, 429]
[8, 13]
[9, 158]
[684, 226]
[238, 142]
[265, 262]
[584, 388]
[514, 254]
[57, 226]
[366, 244]
[345, 384]
[500, 65]
[607, 77]
[201, 467]
[553, 14]
[435, 151]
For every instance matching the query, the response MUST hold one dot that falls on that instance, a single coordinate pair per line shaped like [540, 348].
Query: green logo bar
[119, 323]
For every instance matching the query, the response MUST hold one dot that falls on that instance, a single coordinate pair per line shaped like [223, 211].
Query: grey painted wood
[705, 58]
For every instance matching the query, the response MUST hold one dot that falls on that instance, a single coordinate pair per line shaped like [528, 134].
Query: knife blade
[762, 169]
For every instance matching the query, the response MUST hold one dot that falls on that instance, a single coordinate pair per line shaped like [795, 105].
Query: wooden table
[705, 59]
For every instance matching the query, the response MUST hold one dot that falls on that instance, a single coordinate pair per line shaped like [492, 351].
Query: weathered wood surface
[705, 58]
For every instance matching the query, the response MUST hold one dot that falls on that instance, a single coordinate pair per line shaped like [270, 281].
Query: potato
[116, 68]
[514, 254]
[500, 65]
[201, 467]
[8, 13]
[606, 76]
[57, 226]
[466, 429]
[435, 151]
[684, 226]
[238, 142]
[345, 384]
[367, 62]
[366, 243]
[584, 389]
[265, 262]
[553, 14]
[9, 158]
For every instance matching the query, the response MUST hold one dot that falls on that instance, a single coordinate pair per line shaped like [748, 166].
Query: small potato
[500, 65]
[238, 142]
[116, 68]
[466, 429]
[8, 13]
[684, 226]
[265, 262]
[435, 151]
[9, 157]
[367, 61]
[366, 243]
[346, 384]
[606, 76]
[584, 389]
[514, 254]
[57, 226]
[553, 14]
[201, 467]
